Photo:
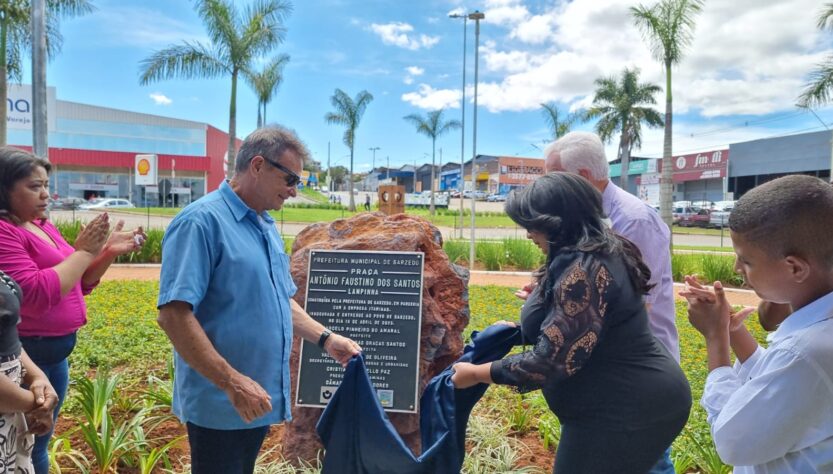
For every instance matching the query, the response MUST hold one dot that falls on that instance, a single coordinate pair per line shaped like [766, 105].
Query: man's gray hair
[581, 151]
[270, 142]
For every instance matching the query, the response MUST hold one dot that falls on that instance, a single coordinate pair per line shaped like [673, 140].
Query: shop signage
[145, 169]
[520, 170]
[19, 107]
[697, 166]
[374, 298]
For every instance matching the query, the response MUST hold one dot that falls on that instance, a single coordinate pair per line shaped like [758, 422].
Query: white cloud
[754, 64]
[433, 99]
[400, 34]
[160, 99]
[415, 70]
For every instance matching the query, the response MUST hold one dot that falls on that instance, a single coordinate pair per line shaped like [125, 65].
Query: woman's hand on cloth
[468, 375]
[524, 292]
[503, 322]
[93, 236]
[341, 348]
[123, 242]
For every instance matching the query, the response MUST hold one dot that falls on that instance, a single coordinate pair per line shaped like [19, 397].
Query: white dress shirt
[774, 412]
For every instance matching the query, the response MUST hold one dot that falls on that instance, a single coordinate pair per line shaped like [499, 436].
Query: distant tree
[265, 83]
[349, 112]
[558, 122]
[820, 88]
[236, 40]
[338, 174]
[668, 26]
[432, 126]
[16, 39]
[621, 105]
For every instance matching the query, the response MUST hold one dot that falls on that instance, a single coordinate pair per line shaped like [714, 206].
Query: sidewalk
[478, 278]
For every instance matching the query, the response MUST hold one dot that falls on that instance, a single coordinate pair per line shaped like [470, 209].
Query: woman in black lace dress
[619, 395]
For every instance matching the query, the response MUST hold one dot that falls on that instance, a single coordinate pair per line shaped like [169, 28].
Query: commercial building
[495, 174]
[92, 150]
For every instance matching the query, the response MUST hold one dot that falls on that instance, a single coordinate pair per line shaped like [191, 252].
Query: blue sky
[738, 81]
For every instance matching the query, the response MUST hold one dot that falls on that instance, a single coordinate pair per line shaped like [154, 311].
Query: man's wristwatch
[322, 339]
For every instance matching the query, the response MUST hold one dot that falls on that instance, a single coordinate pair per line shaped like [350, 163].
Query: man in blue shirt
[225, 303]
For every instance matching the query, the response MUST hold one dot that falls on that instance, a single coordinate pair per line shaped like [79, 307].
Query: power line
[747, 123]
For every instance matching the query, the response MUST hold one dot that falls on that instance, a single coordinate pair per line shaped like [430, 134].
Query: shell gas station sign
[145, 169]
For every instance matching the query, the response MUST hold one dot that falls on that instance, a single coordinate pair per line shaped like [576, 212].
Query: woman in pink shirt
[53, 275]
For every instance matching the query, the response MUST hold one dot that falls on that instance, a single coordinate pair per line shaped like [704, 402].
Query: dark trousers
[226, 451]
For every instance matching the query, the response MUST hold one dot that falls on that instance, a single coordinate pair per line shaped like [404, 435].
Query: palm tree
[819, 89]
[558, 126]
[668, 27]
[432, 126]
[621, 105]
[348, 112]
[235, 41]
[265, 83]
[15, 38]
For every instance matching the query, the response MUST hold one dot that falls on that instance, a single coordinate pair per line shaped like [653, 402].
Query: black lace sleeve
[569, 332]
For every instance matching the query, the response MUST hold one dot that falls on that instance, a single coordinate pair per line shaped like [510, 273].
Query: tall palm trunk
[259, 119]
[4, 81]
[232, 126]
[433, 154]
[666, 184]
[350, 183]
[624, 155]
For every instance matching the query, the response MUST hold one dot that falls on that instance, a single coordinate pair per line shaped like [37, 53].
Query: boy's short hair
[791, 215]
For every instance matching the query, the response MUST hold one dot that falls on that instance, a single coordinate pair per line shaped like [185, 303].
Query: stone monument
[445, 309]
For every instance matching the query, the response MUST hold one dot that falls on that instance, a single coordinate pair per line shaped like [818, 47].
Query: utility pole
[388, 168]
[462, 121]
[476, 16]
[373, 169]
[329, 171]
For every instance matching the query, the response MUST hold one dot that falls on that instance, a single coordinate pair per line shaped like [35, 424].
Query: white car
[106, 203]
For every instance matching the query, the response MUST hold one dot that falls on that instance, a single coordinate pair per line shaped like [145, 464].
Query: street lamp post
[462, 121]
[476, 16]
[373, 169]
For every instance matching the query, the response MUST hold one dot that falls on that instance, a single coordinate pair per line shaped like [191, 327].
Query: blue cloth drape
[359, 438]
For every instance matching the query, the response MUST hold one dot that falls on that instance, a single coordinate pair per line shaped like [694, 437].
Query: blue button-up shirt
[229, 264]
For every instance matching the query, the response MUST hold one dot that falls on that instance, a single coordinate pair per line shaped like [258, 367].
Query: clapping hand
[124, 242]
[93, 236]
[709, 311]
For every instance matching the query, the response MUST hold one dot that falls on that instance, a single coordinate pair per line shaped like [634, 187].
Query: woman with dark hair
[53, 275]
[620, 396]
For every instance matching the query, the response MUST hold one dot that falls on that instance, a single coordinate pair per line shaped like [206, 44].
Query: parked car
[496, 197]
[106, 203]
[67, 203]
[703, 204]
[692, 217]
[455, 194]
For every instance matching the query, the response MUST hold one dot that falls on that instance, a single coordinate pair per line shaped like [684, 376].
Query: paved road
[293, 229]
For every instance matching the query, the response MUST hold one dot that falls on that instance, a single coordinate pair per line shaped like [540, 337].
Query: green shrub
[719, 268]
[523, 253]
[457, 251]
[683, 264]
[491, 254]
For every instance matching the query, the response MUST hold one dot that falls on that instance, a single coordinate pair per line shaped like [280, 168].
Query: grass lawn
[122, 337]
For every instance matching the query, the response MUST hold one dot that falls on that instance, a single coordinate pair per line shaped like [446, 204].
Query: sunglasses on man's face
[292, 179]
